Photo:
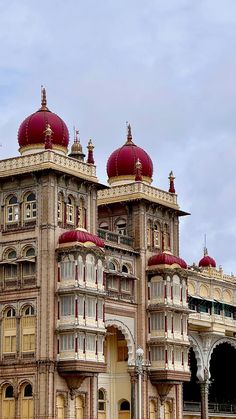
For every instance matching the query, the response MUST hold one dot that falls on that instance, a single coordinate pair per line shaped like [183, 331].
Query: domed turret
[80, 236]
[33, 132]
[121, 165]
[76, 148]
[207, 261]
[166, 258]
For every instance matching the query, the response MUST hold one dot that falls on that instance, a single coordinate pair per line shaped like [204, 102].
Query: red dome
[207, 261]
[80, 236]
[166, 259]
[122, 162]
[32, 129]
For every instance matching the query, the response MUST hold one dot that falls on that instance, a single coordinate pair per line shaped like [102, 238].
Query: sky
[166, 66]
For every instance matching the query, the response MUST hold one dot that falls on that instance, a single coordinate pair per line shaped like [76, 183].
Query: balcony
[110, 236]
[226, 410]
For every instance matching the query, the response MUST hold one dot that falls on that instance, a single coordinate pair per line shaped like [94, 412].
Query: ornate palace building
[100, 317]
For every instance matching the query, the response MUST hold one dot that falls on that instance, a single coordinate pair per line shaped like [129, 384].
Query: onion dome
[32, 133]
[80, 236]
[121, 165]
[167, 259]
[207, 261]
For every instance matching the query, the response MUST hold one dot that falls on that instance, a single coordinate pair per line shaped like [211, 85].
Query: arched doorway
[27, 403]
[8, 403]
[116, 382]
[124, 409]
[191, 389]
[223, 373]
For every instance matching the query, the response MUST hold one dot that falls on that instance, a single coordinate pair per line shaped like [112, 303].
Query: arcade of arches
[221, 387]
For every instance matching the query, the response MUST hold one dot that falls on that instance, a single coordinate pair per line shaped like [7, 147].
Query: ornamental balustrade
[48, 158]
[135, 188]
[115, 237]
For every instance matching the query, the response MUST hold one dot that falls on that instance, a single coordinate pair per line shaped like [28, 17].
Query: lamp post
[139, 368]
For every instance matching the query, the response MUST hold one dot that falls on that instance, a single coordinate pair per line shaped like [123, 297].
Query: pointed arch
[199, 357]
[127, 333]
[218, 342]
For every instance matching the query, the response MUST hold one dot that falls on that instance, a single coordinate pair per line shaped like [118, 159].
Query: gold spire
[43, 99]
[129, 134]
[90, 145]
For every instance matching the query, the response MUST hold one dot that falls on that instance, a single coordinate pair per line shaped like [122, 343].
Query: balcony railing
[111, 236]
[212, 407]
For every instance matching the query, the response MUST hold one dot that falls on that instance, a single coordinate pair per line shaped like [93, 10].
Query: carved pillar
[204, 387]
[133, 380]
[94, 396]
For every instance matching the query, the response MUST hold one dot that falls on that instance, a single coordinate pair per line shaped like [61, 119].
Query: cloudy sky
[166, 66]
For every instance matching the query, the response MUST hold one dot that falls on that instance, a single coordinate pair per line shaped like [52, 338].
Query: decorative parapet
[47, 159]
[213, 273]
[137, 190]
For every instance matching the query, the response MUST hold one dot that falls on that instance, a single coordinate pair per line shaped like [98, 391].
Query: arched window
[27, 402]
[30, 207]
[90, 269]
[11, 254]
[166, 237]
[104, 225]
[70, 210]
[112, 266]
[12, 210]
[9, 331]
[101, 403]
[10, 268]
[67, 269]
[99, 272]
[60, 208]
[125, 269]
[60, 407]
[29, 266]
[149, 233]
[156, 235]
[121, 227]
[80, 265]
[8, 403]
[30, 252]
[79, 409]
[27, 323]
[82, 214]
[124, 406]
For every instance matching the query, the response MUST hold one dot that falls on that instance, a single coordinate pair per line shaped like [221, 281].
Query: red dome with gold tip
[80, 236]
[207, 261]
[166, 259]
[31, 134]
[121, 164]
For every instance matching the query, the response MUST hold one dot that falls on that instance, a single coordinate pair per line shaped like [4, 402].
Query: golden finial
[43, 99]
[129, 133]
[90, 145]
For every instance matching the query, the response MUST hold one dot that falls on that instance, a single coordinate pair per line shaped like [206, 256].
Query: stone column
[133, 394]
[94, 396]
[204, 387]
